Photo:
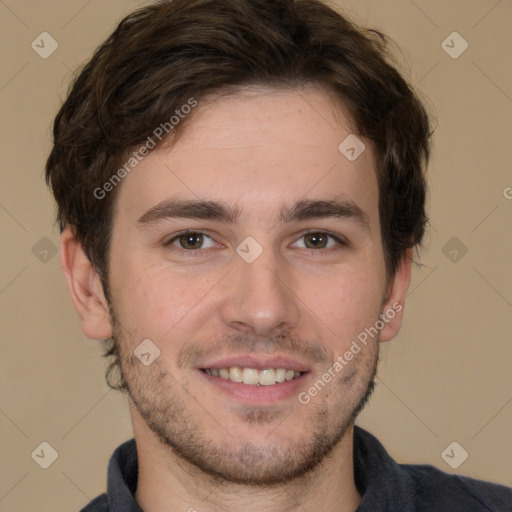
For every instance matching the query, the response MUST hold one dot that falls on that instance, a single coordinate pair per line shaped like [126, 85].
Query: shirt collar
[123, 473]
[382, 482]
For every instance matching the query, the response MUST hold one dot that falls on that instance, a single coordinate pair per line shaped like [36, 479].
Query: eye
[318, 240]
[191, 241]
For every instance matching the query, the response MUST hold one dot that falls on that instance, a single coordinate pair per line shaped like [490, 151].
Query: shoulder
[388, 485]
[98, 504]
[440, 491]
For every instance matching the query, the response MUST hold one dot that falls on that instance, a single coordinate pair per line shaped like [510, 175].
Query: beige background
[445, 378]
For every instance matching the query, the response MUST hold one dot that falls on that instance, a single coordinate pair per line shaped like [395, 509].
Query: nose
[259, 298]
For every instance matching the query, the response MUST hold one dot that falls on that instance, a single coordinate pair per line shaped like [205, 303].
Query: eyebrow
[214, 210]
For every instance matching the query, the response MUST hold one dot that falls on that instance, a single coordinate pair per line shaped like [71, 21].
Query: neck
[167, 483]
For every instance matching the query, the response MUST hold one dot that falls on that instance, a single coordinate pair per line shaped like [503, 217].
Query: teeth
[235, 374]
[267, 377]
[252, 376]
[280, 375]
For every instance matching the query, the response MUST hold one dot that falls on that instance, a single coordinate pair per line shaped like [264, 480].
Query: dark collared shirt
[385, 485]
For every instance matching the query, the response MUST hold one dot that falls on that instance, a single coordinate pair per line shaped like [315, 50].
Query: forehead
[264, 147]
[306, 118]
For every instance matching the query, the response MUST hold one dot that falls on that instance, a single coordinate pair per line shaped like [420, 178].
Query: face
[252, 243]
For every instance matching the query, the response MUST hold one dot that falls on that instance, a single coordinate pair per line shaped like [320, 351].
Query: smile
[253, 376]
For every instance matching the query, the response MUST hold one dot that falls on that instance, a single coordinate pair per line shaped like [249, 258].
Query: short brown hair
[161, 56]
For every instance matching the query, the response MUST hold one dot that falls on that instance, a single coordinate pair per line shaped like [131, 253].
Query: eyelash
[198, 252]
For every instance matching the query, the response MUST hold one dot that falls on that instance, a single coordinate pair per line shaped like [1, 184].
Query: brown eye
[191, 240]
[316, 240]
[320, 240]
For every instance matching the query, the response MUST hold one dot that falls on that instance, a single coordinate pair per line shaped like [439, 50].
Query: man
[240, 186]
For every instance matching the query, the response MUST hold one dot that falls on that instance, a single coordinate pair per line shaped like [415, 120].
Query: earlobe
[393, 307]
[85, 288]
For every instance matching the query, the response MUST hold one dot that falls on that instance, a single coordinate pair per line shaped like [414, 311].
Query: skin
[260, 151]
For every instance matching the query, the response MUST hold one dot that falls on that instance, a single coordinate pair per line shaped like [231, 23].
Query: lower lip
[252, 394]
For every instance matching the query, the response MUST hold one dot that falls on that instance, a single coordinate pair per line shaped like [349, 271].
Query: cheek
[348, 305]
[150, 300]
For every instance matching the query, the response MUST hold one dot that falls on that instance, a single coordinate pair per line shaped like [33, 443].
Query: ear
[84, 285]
[394, 302]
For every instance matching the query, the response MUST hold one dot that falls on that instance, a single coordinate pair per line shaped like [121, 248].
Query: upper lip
[258, 362]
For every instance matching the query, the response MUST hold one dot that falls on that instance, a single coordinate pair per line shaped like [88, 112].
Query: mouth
[253, 376]
[257, 379]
